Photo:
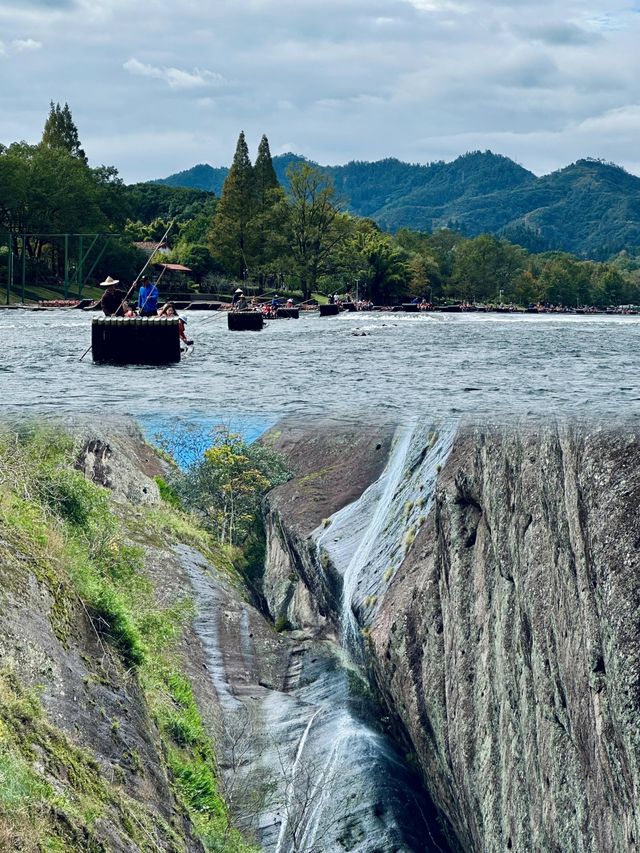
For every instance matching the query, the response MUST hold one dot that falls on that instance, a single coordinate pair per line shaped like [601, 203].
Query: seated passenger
[168, 310]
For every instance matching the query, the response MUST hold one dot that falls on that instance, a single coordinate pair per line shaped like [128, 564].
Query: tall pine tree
[60, 131]
[265, 175]
[268, 223]
[231, 233]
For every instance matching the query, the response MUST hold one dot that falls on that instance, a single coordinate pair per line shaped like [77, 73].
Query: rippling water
[443, 364]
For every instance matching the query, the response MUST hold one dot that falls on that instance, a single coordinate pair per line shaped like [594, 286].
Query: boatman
[148, 298]
[112, 302]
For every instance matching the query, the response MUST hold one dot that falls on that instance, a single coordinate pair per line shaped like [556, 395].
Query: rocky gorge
[492, 576]
[455, 665]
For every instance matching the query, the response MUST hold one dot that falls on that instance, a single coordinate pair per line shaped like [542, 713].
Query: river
[446, 365]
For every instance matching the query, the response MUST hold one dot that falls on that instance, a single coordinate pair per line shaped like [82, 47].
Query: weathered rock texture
[332, 467]
[508, 641]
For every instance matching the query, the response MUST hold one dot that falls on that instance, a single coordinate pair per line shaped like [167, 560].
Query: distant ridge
[590, 208]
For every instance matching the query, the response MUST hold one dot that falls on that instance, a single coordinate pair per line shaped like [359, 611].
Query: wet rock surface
[506, 643]
[331, 468]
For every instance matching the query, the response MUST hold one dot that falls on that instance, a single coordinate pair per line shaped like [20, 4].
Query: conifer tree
[268, 221]
[230, 236]
[265, 175]
[60, 131]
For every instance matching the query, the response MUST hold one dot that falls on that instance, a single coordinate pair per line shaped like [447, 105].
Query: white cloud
[542, 81]
[20, 45]
[439, 6]
[176, 78]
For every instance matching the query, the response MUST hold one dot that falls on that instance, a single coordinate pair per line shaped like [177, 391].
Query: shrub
[168, 493]
[282, 624]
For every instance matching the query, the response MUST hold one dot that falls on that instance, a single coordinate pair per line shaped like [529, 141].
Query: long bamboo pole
[137, 279]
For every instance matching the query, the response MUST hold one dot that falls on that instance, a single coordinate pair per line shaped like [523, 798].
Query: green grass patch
[75, 539]
[167, 493]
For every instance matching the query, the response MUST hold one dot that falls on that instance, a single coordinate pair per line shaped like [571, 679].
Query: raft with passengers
[250, 315]
[137, 334]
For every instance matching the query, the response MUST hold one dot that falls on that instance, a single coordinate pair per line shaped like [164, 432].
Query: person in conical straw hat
[112, 298]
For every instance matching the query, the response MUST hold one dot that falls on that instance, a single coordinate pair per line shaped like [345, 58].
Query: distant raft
[288, 313]
[245, 321]
[135, 340]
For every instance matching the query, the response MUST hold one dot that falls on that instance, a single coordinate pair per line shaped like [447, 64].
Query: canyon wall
[505, 636]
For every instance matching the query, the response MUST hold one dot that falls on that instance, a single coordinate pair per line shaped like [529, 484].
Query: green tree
[231, 233]
[60, 131]
[315, 226]
[608, 286]
[226, 488]
[562, 280]
[265, 178]
[270, 215]
[423, 273]
[387, 274]
[486, 268]
[195, 256]
[47, 190]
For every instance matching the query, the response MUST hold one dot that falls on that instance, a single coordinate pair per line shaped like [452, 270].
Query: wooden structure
[410, 307]
[172, 278]
[245, 321]
[135, 340]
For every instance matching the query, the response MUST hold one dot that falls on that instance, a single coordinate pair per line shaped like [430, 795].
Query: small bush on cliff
[282, 624]
[167, 493]
[225, 489]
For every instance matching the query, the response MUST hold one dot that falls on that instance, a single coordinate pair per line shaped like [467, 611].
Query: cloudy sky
[156, 86]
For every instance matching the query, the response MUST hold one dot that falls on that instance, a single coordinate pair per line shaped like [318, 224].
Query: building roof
[174, 267]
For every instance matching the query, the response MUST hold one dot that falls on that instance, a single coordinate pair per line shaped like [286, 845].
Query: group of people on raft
[115, 303]
[267, 309]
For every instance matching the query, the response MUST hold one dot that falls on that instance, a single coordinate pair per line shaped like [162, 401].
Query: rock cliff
[143, 698]
[505, 637]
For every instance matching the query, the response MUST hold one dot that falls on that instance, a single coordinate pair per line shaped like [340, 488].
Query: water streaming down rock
[318, 771]
[367, 540]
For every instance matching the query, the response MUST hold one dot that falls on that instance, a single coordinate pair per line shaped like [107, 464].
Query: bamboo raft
[245, 321]
[135, 340]
[329, 310]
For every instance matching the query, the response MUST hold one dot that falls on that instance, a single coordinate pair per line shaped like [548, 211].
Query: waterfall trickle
[334, 779]
[367, 540]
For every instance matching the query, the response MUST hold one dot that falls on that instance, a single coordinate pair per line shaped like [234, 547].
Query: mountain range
[590, 208]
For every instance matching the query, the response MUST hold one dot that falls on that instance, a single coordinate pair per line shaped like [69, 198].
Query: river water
[446, 365]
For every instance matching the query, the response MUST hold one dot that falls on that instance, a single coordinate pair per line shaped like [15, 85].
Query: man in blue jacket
[147, 298]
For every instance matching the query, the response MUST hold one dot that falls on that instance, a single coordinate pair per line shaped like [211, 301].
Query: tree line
[305, 238]
[301, 240]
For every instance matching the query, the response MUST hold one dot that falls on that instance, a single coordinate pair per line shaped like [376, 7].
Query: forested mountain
[589, 208]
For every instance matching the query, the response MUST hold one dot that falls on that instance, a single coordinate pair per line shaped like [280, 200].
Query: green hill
[589, 208]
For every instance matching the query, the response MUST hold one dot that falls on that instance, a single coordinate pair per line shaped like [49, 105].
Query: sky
[156, 86]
